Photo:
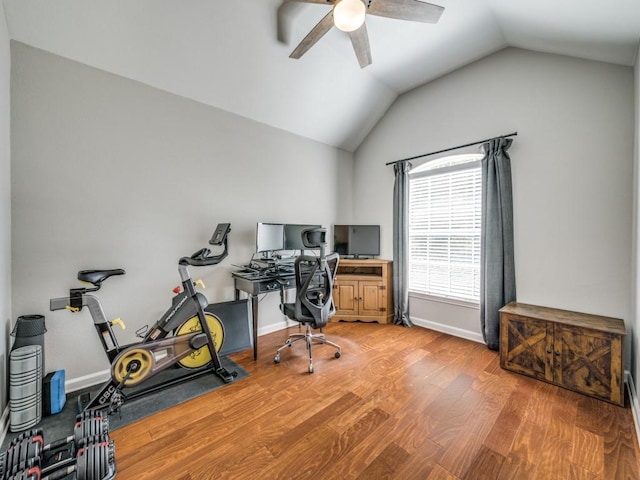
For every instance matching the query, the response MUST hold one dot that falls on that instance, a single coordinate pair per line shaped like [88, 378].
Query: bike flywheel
[202, 356]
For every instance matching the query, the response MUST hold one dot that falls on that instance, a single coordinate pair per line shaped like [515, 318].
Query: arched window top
[451, 162]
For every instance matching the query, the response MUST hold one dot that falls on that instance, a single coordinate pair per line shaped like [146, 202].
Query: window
[444, 228]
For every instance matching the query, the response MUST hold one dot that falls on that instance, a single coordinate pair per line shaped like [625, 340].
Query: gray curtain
[497, 269]
[400, 244]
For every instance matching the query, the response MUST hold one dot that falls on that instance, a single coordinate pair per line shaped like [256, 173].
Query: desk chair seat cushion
[304, 316]
[289, 309]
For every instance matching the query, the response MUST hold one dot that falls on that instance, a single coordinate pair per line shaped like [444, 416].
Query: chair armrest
[283, 286]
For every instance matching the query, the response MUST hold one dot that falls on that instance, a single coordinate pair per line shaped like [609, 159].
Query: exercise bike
[185, 336]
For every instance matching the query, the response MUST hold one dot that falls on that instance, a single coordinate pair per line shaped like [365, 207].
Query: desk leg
[254, 315]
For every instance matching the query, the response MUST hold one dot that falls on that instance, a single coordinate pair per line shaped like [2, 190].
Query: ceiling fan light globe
[348, 15]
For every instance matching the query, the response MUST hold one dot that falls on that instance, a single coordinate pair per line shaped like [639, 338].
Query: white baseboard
[635, 403]
[274, 327]
[75, 384]
[455, 331]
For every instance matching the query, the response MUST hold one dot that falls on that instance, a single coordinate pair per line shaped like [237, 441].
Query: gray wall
[110, 173]
[572, 173]
[5, 206]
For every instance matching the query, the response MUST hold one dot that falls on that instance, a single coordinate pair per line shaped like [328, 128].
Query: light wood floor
[400, 403]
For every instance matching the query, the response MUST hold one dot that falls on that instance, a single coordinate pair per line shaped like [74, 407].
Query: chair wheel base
[337, 354]
[276, 359]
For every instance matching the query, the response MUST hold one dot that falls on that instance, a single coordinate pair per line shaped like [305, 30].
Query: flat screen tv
[269, 237]
[357, 240]
[293, 235]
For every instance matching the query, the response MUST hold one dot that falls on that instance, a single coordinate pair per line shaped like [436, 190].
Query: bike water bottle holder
[142, 331]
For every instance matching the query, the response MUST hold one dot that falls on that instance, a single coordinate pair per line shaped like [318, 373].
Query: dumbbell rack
[88, 454]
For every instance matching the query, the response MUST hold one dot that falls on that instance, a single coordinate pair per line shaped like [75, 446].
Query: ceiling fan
[349, 16]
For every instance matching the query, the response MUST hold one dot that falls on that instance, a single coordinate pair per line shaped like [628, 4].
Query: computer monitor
[357, 240]
[293, 235]
[269, 237]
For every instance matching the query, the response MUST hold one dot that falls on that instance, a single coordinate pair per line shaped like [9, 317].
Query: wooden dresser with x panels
[578, 351]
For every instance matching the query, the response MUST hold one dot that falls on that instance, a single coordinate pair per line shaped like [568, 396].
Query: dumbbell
[94, 461]
[28, 449]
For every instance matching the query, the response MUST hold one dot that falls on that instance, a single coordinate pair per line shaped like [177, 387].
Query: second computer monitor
[293, 236]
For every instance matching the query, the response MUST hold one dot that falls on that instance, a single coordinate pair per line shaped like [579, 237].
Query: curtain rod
[452, 148]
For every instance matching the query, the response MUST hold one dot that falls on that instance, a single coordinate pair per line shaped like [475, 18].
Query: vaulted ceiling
[234, 54]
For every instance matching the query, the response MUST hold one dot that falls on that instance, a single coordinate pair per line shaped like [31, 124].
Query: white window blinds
[444, 228]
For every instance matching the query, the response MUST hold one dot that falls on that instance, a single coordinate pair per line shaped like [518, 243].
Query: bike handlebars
[201, 258]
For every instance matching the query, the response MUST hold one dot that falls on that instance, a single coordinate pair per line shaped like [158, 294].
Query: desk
[255, 283]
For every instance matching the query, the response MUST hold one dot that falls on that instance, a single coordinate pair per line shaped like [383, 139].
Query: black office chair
[314, 300]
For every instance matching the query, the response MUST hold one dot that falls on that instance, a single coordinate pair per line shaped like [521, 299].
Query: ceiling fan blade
[314, 35]
[413, 10]
[360, 42]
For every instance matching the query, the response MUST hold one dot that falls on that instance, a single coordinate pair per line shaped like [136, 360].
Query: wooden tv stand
[362, 291]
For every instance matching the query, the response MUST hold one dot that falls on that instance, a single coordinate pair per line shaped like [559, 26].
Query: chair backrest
[314, 281]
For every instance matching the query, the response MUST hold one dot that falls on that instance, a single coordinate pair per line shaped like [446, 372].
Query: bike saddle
[96, 277]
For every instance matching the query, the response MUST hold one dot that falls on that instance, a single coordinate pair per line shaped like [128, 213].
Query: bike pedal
[224, 374]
